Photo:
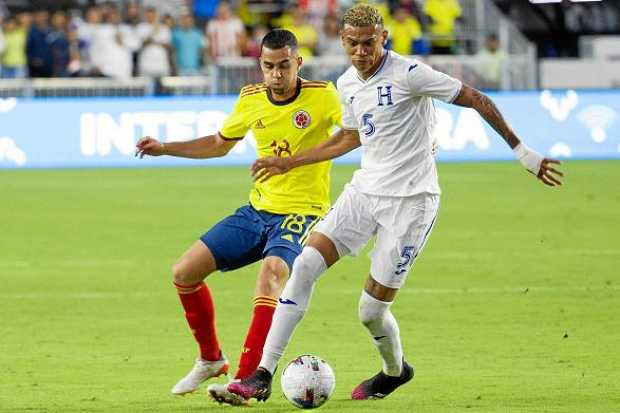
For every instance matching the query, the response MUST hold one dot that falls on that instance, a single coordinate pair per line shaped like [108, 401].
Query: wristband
[529, 158]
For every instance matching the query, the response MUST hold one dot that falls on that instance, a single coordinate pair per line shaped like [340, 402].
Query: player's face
[280, 68]
[364, 46]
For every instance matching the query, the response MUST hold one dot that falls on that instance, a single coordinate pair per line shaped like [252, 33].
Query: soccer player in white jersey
[388, 109]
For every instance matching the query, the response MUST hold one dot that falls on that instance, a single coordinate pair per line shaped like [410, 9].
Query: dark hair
[278, 39]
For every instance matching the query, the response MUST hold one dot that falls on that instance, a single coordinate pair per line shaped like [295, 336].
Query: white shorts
[402, 226]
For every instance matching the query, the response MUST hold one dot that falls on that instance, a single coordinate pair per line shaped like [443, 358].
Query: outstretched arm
[343, 141]
[211, 146]
[534, 162]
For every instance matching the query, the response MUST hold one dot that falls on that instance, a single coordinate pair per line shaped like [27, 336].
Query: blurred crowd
[180, 37]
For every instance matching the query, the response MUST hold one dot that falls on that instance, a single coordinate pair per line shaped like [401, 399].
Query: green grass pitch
[513, 306]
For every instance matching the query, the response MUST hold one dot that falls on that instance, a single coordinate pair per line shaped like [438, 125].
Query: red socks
[264, 308]
[200, 314]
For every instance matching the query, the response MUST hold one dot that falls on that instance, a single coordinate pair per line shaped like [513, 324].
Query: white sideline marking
[412, 290]
[88, 263]
[459, 255]
[436, 254]
[509, 290]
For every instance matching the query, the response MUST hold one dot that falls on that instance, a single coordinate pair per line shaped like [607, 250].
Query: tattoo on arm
[492, 115]
[489, 111]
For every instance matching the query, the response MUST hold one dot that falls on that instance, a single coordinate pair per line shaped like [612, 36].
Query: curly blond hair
[362, 15]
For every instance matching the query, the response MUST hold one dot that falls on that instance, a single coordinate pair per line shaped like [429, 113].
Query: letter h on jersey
[387, 94]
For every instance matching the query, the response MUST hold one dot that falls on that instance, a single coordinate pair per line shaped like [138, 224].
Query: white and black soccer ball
[308, 381]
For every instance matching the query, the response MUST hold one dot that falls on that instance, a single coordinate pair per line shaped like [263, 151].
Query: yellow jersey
[444, 13]
[284, 129]
[306, 37]
[404, 34]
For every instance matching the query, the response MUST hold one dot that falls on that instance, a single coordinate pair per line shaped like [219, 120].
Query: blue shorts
[250, 235]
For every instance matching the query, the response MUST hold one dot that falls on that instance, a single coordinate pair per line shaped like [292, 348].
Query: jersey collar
[385, 58]
[287, 101]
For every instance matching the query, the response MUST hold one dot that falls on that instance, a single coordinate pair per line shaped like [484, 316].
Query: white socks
[380, 322]
[292, 305]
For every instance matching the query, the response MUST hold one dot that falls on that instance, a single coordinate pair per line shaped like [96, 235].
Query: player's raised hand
[548, 174]
[265, 168]
[149, 146]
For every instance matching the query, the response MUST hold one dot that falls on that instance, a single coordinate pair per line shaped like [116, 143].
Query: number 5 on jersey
[368, 124]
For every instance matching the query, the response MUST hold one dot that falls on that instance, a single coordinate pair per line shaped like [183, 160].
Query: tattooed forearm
[473, 98]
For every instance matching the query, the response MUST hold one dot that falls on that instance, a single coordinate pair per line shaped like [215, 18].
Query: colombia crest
[301, 119]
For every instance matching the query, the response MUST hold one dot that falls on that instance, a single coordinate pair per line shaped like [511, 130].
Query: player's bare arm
[341, 142]
[211, 146]
[533, 162]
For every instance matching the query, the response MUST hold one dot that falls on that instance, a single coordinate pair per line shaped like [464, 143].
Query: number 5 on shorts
[406, 255]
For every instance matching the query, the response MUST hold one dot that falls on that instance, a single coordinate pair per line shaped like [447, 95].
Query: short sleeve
[235, 125]
[348, 117]
[332, 105]
[425, 81]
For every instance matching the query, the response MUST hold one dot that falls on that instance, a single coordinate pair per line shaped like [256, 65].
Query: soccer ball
[308, 382]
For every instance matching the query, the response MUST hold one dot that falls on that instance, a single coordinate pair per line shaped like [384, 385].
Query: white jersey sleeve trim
[456, 95]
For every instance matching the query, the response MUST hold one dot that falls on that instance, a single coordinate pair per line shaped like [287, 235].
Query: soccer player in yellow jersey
[287, 115]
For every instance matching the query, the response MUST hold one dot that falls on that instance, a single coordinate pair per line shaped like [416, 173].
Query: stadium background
[511, 308]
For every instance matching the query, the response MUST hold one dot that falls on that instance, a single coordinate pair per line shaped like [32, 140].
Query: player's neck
[365, 75]
[283, 97]
[287, 97]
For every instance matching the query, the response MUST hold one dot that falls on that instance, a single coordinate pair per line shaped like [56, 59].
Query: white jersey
[394, 113]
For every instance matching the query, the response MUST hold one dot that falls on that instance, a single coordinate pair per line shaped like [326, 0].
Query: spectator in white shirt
[491, 63]
[112, 47]
[154, 58]
[86, 33]
[226, 33]
[330, 43]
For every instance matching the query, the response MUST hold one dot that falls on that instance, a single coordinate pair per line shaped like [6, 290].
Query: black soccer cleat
[257, 386]
[380, 385]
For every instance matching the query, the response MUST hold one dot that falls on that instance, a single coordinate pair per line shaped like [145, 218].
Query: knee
[366, 315]
[371, 310]
[310, 264]
[276, 270]
[182, 274]
[274, 273]
[178, 273]
[302, 263]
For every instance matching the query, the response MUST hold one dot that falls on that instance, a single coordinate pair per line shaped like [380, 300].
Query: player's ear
[300, 61]
[384, 35]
